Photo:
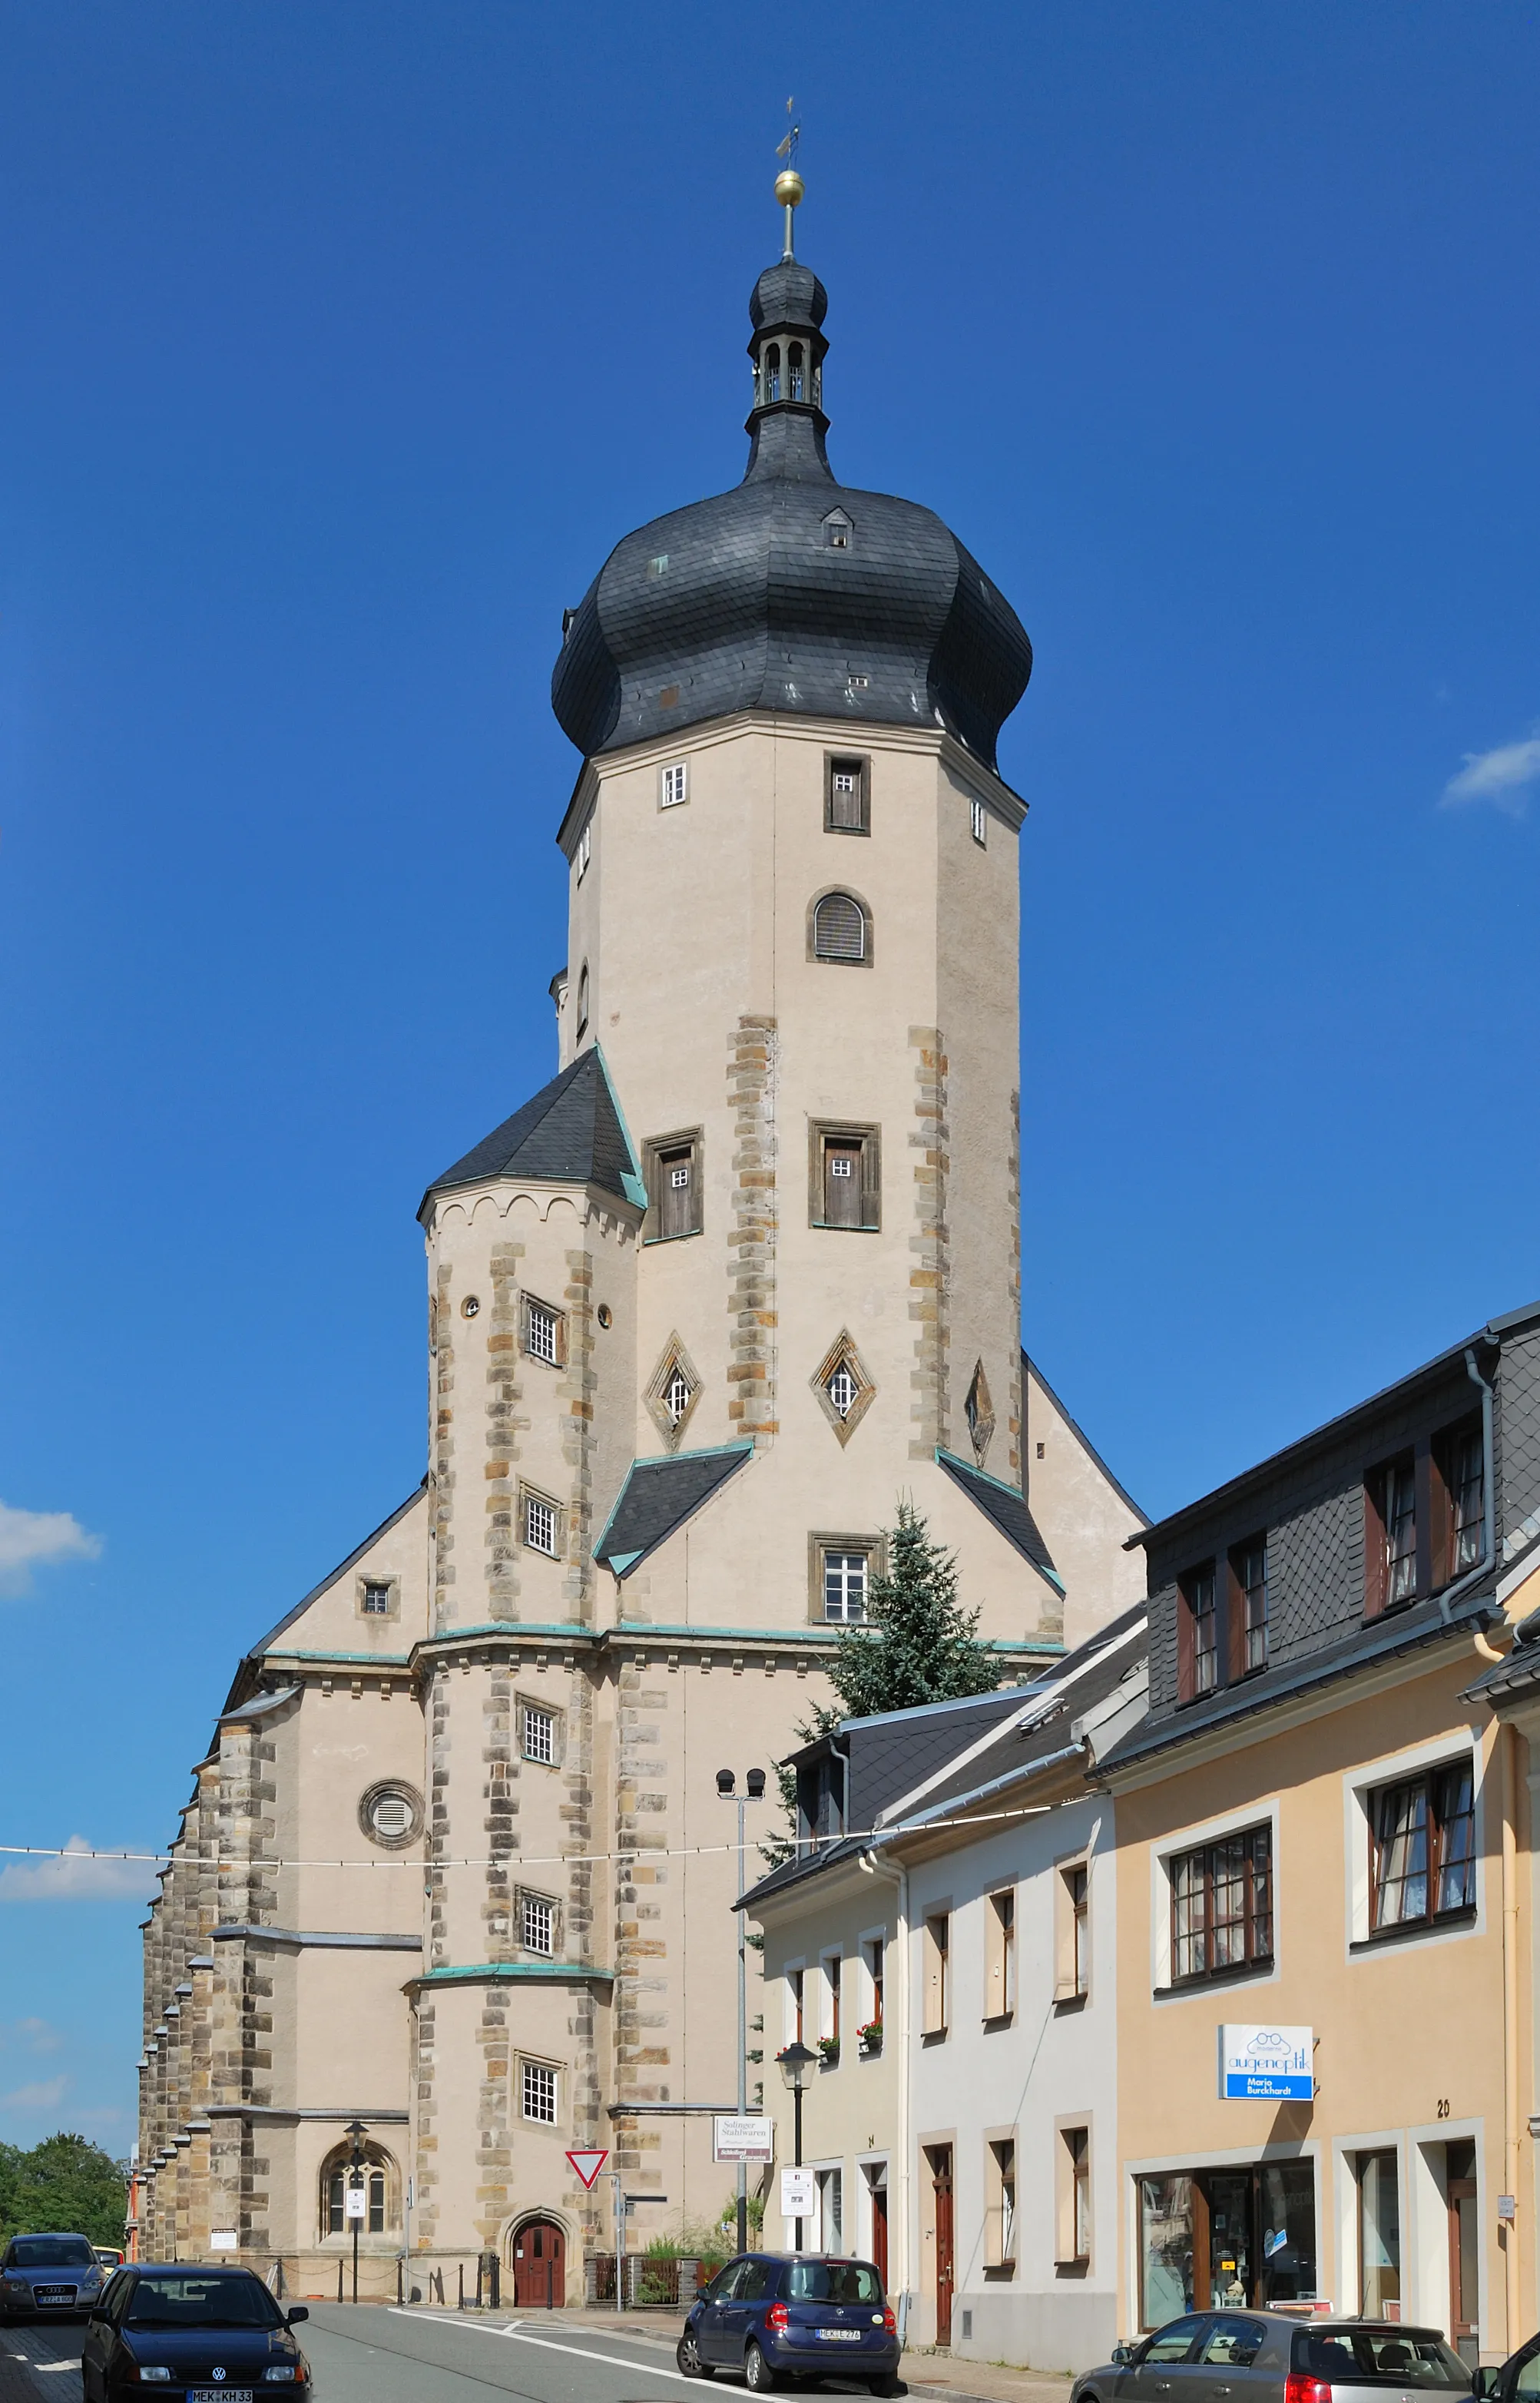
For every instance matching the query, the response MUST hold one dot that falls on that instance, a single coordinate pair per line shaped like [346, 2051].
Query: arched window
[583, 1004]
[381, 2212]
[794, 372]
[839, 929]
[773, 373]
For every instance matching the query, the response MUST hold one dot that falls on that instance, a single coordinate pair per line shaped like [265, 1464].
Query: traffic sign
[589, 2164]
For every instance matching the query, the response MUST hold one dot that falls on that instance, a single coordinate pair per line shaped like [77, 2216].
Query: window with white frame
[538, 1734]
[585, 850]
[674, 784]
[981, 823]
[376, 1601]
[540, 1518]
[845, 1577]
[537, 1923]
[539, 2098]
[542, 1332]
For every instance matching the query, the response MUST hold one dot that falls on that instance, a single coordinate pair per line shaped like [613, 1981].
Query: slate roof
[898, 1762]
[740, 602]
[658, 1496]
[1469, 1604]
[1008, 1510]
[572, 1132]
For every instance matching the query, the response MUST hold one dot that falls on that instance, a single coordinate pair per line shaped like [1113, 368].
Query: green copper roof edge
[498, 1973]
[632, 1178]
[743, 1444]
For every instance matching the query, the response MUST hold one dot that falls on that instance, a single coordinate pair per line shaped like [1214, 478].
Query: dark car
[1241, 2356]
[779, 2316]
[47, 2277]
[1518, 2379]
[194, 2336]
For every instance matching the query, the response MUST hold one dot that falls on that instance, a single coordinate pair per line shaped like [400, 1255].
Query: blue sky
[340, 342]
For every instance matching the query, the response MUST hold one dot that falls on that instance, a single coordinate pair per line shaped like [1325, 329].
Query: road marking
[549, 2344]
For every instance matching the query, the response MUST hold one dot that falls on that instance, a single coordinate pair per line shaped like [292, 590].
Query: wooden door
[880, 2228]
[539, 2266]
[945, 2263]
[1465, 2259]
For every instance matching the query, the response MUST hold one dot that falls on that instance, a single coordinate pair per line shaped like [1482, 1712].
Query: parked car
[1518, 2379]
[775, 2317]
[189, 2331]
[1273, 2357]
[47, 2277]
[111, 2256]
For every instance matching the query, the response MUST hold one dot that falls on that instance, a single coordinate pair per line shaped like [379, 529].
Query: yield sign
[589, 2164]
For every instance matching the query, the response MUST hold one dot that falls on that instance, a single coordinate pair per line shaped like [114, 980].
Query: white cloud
[1503, 777]
[74, 1876]
[31, 2036]
[45, 2095]
[30, 1539]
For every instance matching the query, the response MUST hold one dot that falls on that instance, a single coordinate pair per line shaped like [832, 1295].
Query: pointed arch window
[381, 2186]
[773, 373]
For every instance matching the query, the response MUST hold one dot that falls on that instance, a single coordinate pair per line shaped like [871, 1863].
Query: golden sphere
[789, 188]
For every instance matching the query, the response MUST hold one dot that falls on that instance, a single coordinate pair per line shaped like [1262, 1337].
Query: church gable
[372, 1604]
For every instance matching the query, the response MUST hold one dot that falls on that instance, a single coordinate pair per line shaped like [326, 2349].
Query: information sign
[744, 2140]
[355, 2203]
[799, 2194]
[1267, 2064]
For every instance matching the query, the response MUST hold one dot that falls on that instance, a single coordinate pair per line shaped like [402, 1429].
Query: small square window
[540, 1526]
[376, 1602]
[674, 784]
[539, 1734]
[539, 2092]
[543, 1333]
[537, 1923]
[981, 823]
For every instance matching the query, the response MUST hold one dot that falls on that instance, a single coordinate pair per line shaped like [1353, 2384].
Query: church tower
[745, 1276]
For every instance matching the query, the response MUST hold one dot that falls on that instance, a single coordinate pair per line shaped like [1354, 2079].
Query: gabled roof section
[573, 1132]
[1008, 1508]
[657, 1499]
[240, 1687]
[1083, 1440]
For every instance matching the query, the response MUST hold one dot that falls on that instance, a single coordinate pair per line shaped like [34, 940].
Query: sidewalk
[945, 2375]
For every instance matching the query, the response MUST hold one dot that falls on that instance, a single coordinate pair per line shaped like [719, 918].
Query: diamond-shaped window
[979, 1412]
[673, 1391]
[844, 1390]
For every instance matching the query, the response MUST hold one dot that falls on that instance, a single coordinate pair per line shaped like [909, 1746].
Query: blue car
[47, 2277]
[185, 2331]
[779, 2317]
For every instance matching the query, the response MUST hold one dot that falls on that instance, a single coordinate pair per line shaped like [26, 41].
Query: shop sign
[744, 2140]
[1267, 2064]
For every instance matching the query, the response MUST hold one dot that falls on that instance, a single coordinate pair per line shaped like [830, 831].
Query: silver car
[47, 2277]
[1241, 2356]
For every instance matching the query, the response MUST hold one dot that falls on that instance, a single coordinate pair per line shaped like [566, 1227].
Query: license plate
[841, 2336]
[53, 2294]
[219, 2395]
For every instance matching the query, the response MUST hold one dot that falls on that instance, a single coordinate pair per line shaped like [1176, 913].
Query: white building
[959, 1874]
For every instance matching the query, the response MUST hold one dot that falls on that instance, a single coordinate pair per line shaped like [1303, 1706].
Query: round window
[469, 1307]
[391, 1813]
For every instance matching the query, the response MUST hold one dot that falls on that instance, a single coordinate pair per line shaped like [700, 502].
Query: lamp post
[726, 1783]
[354, 2129]
[794, 2063]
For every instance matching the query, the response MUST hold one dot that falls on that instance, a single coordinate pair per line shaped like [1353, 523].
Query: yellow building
[1326, 2056]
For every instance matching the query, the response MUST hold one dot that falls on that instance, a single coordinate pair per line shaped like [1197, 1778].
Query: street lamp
[354, 2129]
[794, 2063]
[726, 1782]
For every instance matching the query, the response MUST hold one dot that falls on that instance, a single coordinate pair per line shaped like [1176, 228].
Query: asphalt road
[378, 2354]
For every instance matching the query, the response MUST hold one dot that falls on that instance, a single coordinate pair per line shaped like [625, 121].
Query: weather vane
[789, 185]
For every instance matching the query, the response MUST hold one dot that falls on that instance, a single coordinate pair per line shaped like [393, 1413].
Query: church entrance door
[539, 2266]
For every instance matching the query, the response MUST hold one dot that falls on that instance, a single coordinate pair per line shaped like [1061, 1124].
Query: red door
[941, 2180]
[539, 2266]
[880, 2229]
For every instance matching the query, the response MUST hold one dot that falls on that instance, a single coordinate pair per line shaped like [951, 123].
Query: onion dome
[791, 592]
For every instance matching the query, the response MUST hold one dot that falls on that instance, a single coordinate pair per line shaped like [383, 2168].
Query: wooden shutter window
[845, 809]
[842, 1164]
[678, 1211]
[839, 929]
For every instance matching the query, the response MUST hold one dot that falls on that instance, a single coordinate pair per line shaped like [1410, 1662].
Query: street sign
[355, 2204]
[1267, 2064]
[589, 2164]
[744, 2139]
[799, 2194]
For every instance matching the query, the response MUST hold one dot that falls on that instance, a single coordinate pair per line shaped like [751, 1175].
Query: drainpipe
[1507, 1738]
[899, 2222]
[1488, 1480]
